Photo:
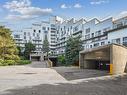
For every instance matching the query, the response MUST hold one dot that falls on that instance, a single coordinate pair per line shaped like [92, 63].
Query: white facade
[37, 33]
[94, 33]
[119, 33]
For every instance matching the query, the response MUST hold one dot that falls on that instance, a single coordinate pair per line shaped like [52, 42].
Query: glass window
[44, 28]
[16, 36]
[76, 28]
[116, 41]
[33, 34]
[92, 35]
[24, 37]
[96, 44]
[71, 27]
[125, 41]
[34, 30]
[87, 36]
[102, 43]
[87, 30]
[24, 33]
[48, 28]
[52, 25]
[90, 46]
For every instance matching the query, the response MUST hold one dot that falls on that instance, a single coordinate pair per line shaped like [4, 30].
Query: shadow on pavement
[116, 86]
[73, 73]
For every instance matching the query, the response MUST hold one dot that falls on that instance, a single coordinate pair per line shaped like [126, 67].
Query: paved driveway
[12, 77]
[36, 79]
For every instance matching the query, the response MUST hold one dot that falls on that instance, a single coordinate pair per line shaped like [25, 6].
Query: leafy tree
[8, 50]
[61, 59]
[20, 51]
[46, 46]
[29, 47]
[73, 47]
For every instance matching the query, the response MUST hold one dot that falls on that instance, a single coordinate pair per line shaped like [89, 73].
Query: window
[53, 31]
[43, 28]
[90, 46]
[96, 44]
[68, 29]
[98, 33]
[119, 25]
[102, 43]
[76, 28]
[64, 27]
[106, 29]
[24, 33]
[87, 30]
[92, 35]
[125, 22]
[87, 36]
[45, 32]
[52, 25]
[57, 32]
[48, 28]
[34, 30]
[125, 41]
[24, 37]
[71, 27]
[16, 36]
[28, 33]
[116, 41]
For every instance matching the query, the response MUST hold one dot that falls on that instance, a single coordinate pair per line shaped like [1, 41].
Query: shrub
[61, 60]
[1, 62]
[7, 62]
[23, 62]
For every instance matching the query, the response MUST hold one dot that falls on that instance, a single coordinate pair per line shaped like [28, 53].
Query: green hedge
[23, 62]
[13, 62]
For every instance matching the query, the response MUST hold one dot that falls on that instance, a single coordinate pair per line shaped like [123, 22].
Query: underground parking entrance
[112, 58]
[99, 64]
[35, 58]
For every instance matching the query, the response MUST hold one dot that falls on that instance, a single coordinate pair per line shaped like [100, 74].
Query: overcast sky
[21, 13]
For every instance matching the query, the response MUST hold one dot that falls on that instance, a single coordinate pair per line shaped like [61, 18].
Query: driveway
[37, 79]
[12, 77]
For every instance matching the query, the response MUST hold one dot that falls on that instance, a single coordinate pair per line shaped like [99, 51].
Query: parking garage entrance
[112, 58]
[35, 58]
[100, 64]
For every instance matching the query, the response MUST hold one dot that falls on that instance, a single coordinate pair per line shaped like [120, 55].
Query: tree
[8, 50]
[19, 51]
[73, 47]
[46, 46]
[29, 47]
[61, 59]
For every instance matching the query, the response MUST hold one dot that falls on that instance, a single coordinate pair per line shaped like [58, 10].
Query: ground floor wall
[116, 59]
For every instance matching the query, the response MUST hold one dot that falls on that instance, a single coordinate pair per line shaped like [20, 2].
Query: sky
[19, 14]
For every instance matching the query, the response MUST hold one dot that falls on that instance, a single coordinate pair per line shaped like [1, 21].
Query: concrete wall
[117, 55]
[118, 59]
[95, 55]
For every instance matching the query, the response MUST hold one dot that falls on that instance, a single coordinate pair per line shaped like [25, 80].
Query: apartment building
[118, 34]
[94, 33]
[37, 33]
